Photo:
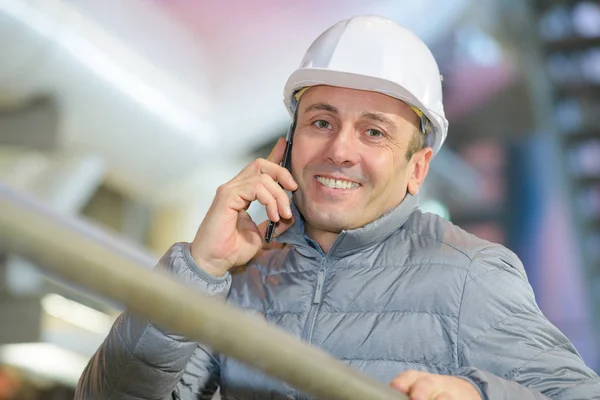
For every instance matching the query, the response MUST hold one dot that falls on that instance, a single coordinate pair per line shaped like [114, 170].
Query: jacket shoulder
[451, 240]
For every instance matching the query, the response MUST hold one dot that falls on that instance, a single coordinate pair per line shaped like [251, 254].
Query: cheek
[379, 167]
[298, 163]
[302, 153]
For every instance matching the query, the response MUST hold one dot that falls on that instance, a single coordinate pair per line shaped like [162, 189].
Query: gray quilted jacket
[408, 291]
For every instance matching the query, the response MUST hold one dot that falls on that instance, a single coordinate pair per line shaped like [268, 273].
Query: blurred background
[121, 118]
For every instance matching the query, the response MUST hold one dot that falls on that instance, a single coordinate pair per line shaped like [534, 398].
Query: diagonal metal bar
[54, 242]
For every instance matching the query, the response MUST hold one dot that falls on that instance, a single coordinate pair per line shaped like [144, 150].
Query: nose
[342, 149]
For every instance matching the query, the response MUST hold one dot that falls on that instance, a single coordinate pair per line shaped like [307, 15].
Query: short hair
[417, 142]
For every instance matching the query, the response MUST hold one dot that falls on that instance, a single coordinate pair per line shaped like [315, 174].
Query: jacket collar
[353, 240]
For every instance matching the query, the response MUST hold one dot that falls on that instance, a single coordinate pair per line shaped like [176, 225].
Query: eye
[322, 124]
[374, 133]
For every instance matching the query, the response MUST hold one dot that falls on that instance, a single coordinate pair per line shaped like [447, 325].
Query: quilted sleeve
[506, 346]
[139, 361]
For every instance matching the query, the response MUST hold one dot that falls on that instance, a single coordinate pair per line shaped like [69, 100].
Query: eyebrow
[378, 117]
[373, 116]
[322, 107]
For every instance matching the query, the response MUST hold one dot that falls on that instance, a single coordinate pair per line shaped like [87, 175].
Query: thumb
[406, 380]
[276, 154]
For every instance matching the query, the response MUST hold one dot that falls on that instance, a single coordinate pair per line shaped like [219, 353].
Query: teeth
[336, 183]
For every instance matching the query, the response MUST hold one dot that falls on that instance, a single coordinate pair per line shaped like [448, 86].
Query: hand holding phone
[227, 236]
[286, 163]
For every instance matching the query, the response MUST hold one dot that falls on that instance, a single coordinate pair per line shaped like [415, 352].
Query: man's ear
[419, 164]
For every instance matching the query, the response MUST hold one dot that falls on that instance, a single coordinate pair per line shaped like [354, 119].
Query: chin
[335, 221]
[328, 217]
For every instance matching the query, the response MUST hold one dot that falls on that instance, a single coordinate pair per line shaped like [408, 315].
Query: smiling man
[353, 159]
[403, 296]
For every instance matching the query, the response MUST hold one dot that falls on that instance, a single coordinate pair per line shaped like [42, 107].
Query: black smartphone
[286, 162]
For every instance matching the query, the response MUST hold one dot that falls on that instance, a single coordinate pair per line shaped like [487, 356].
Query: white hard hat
[375, 54]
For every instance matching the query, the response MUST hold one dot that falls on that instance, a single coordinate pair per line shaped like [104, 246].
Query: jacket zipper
[316, 303]
[312, 314]
[319, 290]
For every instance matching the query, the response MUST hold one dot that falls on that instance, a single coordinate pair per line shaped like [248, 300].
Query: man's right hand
[227, 236]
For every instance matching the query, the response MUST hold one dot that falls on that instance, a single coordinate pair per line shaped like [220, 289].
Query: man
[406, 297]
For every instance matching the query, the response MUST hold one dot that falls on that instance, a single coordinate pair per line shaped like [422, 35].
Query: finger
[425, 388]
[275, 171]
[283, 201]
[240, 195]
[276, 155]
[405, 380]
[282, 207]
[280, 227]
[266, 198]
[283, 225]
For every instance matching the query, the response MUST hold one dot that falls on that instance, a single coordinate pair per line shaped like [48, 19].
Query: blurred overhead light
[479, 46]
[77, 314]
[44, 360]
[586, 19]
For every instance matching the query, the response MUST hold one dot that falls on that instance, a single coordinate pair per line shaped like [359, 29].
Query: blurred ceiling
[174, 95]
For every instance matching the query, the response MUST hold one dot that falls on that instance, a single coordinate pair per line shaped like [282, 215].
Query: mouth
[331, 183]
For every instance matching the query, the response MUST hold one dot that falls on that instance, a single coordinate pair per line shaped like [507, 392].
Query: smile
[337, 183]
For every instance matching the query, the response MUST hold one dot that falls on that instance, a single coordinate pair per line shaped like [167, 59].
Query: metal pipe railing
[53, 242]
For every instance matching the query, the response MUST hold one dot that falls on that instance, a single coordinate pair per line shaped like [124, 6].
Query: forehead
[353, 100]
